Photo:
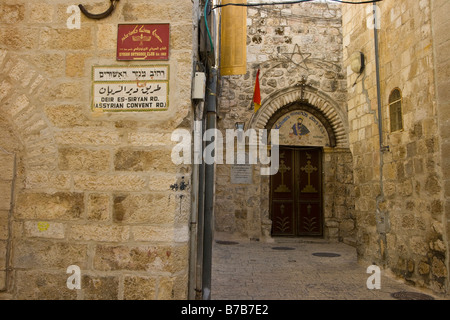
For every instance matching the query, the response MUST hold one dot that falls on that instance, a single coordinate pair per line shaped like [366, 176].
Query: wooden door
[296, 193]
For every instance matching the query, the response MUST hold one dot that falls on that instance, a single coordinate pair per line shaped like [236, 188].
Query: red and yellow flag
[257, 94]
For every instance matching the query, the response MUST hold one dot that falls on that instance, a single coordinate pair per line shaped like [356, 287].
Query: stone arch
[10, 151]
[308, 108]
[21, 87]
[337, 158]
[314, 100]
[26, 143]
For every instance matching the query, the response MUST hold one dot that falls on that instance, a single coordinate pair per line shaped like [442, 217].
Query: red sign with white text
[143, 41]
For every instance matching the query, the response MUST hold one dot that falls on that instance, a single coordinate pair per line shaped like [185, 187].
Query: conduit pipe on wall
[209, 169]
[196, 221]
[211, 116]
[381, 215]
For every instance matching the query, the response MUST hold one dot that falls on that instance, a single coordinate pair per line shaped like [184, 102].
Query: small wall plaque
[241, 174]
[143, 41]
[130, 88]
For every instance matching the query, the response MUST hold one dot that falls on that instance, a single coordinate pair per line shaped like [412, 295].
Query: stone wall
[286, 42]
[441, 42]
[10, 147]
[92, 188]
[400, 200]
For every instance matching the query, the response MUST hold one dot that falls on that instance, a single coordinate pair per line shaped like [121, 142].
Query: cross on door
[309, 169]
[296, 193]
[283, 169]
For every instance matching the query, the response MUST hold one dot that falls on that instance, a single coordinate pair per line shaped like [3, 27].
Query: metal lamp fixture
[357, 62]
[239, 126]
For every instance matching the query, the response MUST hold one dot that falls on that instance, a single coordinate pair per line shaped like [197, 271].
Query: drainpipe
[200, 222]
[196, 221]
[211, 119]
[211, 116]
[381, 215]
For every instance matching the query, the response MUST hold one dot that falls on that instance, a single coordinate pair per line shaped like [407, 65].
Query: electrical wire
[287, 2]
[260, 4]
[207, 27]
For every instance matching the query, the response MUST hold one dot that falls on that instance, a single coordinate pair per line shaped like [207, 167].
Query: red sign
[143, 42]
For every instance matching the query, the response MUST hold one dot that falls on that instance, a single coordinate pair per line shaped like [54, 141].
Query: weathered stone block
[66, 91]
[5, 195]
[161, 182]
[141, 258]
[60, 205]
[44, 229]
[423, 268]
[50, 63]
[100, 232]
[139, 160]
[144, 208]
[2, 280]
[22, 73]
[5, 88]
[37, 85]
[98, 207]
[41, 12]
[147, 139]
[3, 250]
[156, 9]
[172, 288]
[418, 245]
[43, 285]
[160, 234]
[100, 288]
[78, 159]
[347, 226]
[19, 104]
[75, 64]
[4, 219]
[107, 37]
[432, 184]
[47, 179]
[49, 254]
[139, 288]
[438, 267]
[89, 138]
[67, 39]
[11, 13]
[66, 116]
[118, 182]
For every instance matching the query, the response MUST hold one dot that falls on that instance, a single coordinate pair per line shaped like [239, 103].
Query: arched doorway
[296, 191]
[320, 200]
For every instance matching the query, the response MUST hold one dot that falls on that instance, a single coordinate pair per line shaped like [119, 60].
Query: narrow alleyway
[295, 269]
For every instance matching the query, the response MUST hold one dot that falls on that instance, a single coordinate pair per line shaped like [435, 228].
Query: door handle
[99, 15]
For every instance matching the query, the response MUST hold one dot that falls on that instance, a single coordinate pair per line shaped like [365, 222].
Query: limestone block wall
[286, 42]
[400, 203]
[441, 49]
[339, 195]
[10, 147]
[92, 188]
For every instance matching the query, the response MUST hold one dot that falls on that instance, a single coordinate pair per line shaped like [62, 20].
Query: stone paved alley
[287, 270]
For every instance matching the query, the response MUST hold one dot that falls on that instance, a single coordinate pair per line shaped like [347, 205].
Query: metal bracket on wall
[99, 15]
[384, 149]
[182, 185]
